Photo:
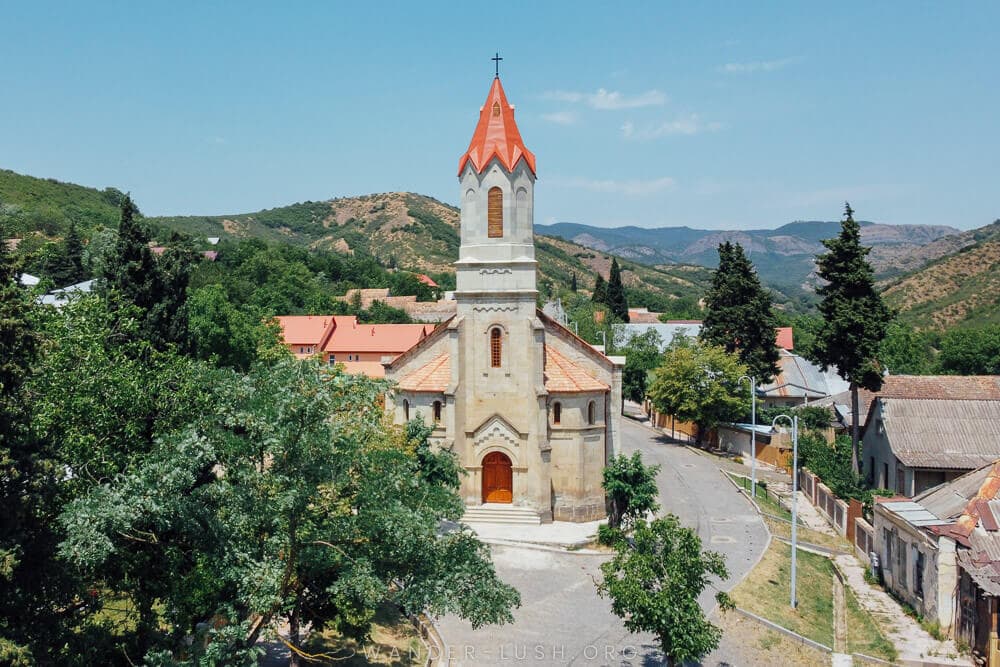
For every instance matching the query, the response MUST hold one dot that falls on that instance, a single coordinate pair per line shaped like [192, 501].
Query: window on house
[871, 470]
[591, 412]
[406, 410]
[557, 412]
[918, 573]
[332, 360]
[885, 476]
[302, 350]
[437, 411]
[887, 556]
[494, 213]
[496, 347]
[900, 480]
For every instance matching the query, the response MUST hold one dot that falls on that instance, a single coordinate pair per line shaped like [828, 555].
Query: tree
[572, 284]
[971, 351]
[642, 355]
[699, 383]
[616, 299]
[224, 334]
[130, 268]
[289, 502]
[905, 351]
[854, 317]
[631, 490]
[73, 245]
[600, 294]
[739, 315]
[654, 581]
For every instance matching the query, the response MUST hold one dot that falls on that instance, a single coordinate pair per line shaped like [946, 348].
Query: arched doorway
[498, 479]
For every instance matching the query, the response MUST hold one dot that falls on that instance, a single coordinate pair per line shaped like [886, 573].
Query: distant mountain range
[783, 256]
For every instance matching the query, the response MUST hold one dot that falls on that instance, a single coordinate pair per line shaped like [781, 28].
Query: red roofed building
[532, 411]
[342, 339]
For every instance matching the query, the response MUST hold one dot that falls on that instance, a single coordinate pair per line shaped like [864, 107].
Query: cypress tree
[617, 301]
[130, 269]
[74, 254]
[854, 317]
[600, 290]
[572, 284]
[740, 318]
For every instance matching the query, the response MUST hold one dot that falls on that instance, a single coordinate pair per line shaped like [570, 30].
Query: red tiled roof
[373, 369]
[427, 280]
[303, 329]
[642, 316]
[941, 387]
[352, 336]
[784, 338]
[562, 375]
[496, 136]
[433, 376]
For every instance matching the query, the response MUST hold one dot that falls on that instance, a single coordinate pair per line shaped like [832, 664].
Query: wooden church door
[498, 479]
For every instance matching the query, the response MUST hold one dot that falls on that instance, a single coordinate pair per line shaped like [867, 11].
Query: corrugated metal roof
[949, 434]
[799, 377]
[913, 513]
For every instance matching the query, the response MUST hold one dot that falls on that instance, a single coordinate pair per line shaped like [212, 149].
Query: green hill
[960, 289]
[402, 229]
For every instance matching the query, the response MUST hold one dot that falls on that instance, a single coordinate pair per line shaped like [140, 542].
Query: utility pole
[794, 421]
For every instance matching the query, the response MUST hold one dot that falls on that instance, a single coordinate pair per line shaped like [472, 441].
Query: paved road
[563, 621]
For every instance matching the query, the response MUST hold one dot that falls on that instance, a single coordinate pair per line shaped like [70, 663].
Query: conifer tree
[740, 318]
[73, 245]
[854, 317]
[130, 269]
[617, 301]
[600, 290]
[572, 284]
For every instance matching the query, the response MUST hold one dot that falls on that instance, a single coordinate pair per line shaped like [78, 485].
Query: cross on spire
[496, 60]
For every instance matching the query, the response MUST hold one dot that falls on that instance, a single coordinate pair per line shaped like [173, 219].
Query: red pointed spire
[496, 135]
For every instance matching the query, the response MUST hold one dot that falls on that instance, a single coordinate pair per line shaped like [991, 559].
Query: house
[59, 297]
[773, 447]
[922, 431]
[799, 381]
[940, 553]
[28, 280]
[361, 348]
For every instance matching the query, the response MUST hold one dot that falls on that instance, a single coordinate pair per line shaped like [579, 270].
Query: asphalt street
[562, 620]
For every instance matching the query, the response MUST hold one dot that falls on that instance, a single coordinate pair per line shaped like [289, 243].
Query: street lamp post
[753, 434]
[795, 492]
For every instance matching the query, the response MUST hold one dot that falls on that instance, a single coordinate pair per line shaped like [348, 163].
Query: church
[532, 411]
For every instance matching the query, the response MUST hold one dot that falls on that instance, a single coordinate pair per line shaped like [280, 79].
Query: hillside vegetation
[961, 289]
[398, 229]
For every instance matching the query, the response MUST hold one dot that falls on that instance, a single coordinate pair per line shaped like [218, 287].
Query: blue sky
[712, 115]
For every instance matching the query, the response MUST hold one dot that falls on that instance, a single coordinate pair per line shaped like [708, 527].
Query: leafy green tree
[739, 315]
[854, 317]
[971, 351]
[600, 294]
[642, 356]
[224, 334]
[699, 383]
[631, 490]
[288, 503]
[616, 299]
[654, 581]
[22, 595]
[906, 351]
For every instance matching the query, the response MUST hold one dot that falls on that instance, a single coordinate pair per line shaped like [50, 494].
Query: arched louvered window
[494, 213]
[591, 412]
[496, 347]
[406, 410]
[437, 411]
[556, 412]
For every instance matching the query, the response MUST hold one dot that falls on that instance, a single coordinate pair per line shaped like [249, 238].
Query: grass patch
[766, 591]
[863, 633]
[394, 641]
[807, 535]
[767, 502]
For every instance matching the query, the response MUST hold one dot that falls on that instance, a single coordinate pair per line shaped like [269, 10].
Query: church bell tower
[497, 175]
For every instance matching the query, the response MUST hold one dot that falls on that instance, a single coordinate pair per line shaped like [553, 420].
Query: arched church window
[494, 213]
[406, 410]
[557, 412]
[591, 412]
[437, 411]
[496, 347]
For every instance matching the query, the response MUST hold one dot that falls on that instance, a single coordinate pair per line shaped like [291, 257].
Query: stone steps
[500, 513]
